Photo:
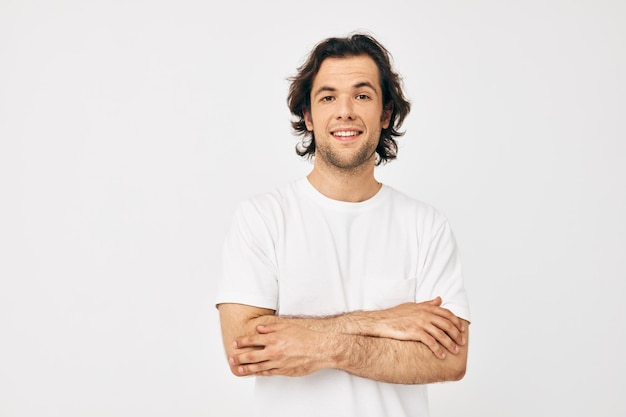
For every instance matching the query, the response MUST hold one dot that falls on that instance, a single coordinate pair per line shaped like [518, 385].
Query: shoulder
[270, 203]
[279, 195]
[410, 206]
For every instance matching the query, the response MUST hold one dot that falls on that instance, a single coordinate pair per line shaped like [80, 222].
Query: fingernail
[235, 343]
[231, 361]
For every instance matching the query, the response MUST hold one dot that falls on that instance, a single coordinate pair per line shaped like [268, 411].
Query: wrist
[337, 348]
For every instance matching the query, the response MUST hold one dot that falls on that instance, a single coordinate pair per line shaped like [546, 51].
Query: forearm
[318, 344]
[340, 323]
[387, 345]
[394, 361]
[438, 328]
[353, 348]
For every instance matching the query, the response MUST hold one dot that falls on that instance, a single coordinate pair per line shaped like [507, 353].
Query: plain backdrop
[130, 129]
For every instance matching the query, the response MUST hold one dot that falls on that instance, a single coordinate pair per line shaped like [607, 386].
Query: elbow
[456, 368]
[457, 373]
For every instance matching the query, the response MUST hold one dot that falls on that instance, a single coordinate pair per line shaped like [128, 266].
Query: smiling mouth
[346, 134]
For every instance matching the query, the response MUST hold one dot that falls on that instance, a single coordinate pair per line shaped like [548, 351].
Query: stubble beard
[347, 162]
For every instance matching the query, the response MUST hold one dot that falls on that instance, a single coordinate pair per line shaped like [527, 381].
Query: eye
[327, 98]
[362, 97]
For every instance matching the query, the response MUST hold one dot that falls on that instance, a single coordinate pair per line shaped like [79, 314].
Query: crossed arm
[412, 343]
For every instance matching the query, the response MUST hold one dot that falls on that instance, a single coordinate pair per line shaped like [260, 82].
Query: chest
[330, 264]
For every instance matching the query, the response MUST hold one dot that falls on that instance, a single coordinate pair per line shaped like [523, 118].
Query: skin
[386, 345]
[346, 97]
[412, 343]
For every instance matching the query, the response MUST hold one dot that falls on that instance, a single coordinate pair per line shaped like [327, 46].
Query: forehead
[349, 71]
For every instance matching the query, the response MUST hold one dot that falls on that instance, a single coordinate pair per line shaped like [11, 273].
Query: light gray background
[129, 130]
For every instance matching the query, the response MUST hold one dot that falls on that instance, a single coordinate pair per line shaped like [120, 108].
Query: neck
[349, 186]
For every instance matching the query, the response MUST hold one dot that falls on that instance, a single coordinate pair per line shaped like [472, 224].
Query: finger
[432, 344]
[443, 339]
[451, 317]
[253, 369]
[270, 372]
[435, 301]
[248, 357]
[267, 328]
[250, 369]
[249, 341]
[450, 330]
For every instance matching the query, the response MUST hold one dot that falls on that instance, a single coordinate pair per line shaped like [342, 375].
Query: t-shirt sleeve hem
[459, 311]
[247, 299]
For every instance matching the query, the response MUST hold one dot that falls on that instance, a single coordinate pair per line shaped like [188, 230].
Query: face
[346, 114]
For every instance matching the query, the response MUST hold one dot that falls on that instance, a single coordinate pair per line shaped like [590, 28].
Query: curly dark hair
[299, 98]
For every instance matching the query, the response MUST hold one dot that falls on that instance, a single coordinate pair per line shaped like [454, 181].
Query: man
[343, 296]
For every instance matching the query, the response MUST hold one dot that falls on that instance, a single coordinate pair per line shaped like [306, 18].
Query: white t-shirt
[300, 253]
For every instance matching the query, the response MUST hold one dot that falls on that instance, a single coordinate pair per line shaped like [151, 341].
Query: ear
[386, 117]
[308, 121]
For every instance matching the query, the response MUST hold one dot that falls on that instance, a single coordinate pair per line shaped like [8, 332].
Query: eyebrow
[333, 89]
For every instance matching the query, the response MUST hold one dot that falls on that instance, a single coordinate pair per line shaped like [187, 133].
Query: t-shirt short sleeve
[249, 271]
[441, 273]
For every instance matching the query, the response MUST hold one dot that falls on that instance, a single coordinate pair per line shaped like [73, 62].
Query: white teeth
[344, 133]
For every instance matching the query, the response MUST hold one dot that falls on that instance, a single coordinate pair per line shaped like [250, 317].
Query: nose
[345, 109]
